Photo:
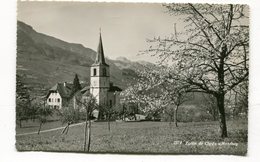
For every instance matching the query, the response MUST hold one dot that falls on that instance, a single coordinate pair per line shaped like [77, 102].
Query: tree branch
[210, 25]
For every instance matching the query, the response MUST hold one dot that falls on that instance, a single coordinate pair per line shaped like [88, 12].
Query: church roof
[100, 58]
[113, 88]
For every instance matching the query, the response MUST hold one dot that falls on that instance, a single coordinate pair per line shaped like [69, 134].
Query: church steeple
[99, 76]
[100, 58]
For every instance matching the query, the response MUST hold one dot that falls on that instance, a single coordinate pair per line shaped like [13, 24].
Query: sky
[125, 27]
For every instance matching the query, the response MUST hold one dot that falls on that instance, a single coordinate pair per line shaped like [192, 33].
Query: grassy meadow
[139, 137]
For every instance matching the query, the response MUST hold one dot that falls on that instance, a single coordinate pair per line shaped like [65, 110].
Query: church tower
[99, 76]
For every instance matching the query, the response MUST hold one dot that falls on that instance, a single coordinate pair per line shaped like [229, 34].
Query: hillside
[44, 60]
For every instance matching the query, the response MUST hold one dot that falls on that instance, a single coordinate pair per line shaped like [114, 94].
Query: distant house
[136, 117]
[59, 95]
[140, 117]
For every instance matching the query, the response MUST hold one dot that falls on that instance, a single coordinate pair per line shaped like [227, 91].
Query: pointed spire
[100, 58]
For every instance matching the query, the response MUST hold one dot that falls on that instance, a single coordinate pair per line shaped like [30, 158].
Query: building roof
[113, 88]
[100, 58]
[64, 89]
[85, 91]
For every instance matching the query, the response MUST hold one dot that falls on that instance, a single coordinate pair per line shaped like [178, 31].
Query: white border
[7, 99]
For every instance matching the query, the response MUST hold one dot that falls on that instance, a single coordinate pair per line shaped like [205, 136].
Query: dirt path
[48, 130]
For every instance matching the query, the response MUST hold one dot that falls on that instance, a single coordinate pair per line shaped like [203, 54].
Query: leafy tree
[76, 85]
[152, 103]
[120, 110]
[126, 108]
[211, 53]
[24, 110]
[159, 91]
[132, 109]
[168, 114]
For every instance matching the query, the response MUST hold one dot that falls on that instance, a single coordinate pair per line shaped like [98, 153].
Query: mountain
[124, 63]
[44, 60]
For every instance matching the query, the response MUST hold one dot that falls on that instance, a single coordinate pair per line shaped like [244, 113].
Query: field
[140, 137]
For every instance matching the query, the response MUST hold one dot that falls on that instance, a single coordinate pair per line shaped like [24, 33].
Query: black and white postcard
[132, 78]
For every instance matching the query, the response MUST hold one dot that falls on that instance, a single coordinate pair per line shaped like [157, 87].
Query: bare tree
[211, 53]
[107, 111]
[42, 112]
[89, 104]
[69, 115]
[177, 96]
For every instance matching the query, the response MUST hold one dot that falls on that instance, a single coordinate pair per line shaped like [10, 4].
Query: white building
[59, 95]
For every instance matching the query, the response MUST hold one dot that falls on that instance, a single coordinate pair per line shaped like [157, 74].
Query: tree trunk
[221, 95]
[89, 133]
[123, 112]
[108, 122]
[222, 117]
[170, 115]
[100, 114]
[85, 132]
[40, 128]
[175, 116]
[67, 128]
[170, 123]
[64, 129]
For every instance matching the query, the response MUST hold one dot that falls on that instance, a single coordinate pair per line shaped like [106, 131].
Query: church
[105, 93]
[100, 86]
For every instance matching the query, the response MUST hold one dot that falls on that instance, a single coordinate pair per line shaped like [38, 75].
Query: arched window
[104, 72]
[95, 72]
